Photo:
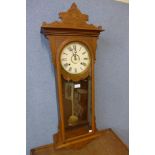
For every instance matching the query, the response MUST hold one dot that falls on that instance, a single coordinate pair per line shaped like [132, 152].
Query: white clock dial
[75, 58]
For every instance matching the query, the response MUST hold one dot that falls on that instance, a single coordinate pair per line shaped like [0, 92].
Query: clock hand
[74, 47]
[75, 57]
[75, 51]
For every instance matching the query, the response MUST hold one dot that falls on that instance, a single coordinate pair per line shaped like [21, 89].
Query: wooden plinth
[108, 143]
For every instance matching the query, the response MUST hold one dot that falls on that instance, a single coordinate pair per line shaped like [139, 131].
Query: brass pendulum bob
[73, 119]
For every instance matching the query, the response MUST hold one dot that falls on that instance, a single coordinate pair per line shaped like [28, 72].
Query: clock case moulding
[72, 27]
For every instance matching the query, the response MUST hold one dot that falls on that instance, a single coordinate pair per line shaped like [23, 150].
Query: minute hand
[74, 47]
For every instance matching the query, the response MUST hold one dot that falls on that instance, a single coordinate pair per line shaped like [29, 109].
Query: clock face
[75, 58]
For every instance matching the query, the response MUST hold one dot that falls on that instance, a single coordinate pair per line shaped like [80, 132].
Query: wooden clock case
[73, 27]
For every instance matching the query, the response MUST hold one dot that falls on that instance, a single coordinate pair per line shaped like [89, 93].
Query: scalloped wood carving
[73, 19]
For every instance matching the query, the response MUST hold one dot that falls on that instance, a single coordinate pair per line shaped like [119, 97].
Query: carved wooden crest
[72, 19]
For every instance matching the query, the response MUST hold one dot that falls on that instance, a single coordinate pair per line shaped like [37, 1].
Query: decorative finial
[74, 6]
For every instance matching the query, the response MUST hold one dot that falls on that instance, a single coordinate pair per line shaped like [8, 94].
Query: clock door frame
[76, 78]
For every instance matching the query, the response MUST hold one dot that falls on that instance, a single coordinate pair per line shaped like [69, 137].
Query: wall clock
[73, 46]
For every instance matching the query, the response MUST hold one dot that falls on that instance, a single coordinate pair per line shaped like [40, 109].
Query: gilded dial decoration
[75, 58]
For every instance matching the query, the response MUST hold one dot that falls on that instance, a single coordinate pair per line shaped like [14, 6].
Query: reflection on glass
[77, 107]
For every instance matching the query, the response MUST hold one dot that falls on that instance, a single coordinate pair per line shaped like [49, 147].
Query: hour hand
[74, 56]
[74, 47]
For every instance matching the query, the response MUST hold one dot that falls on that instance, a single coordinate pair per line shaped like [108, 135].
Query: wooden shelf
[108, 143]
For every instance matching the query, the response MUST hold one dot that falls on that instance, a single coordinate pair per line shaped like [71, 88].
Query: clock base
[75, 138]
[107, 142]
[75, 143]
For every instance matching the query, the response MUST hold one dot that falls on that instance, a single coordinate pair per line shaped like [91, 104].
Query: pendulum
[73, 119]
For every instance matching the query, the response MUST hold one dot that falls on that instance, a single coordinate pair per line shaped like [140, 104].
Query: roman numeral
[75, 70]
[83, 53]
[83, 63]
[66, 65]
[74, 46]
[70, 68]
[85, 58]
[70, 48]
[64, 59]
[80, 49]
[65, 54]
